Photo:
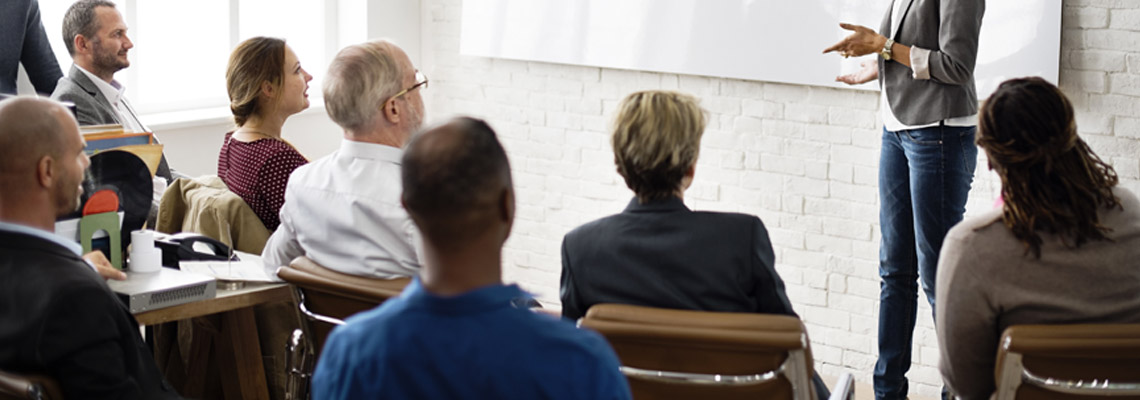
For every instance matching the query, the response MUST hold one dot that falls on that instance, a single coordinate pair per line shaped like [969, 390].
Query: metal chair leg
[299, 367]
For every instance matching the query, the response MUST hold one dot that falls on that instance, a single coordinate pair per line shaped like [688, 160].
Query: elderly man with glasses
[343, 211]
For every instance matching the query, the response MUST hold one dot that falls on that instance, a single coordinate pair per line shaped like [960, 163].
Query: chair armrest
[844, 388]
[27, 386]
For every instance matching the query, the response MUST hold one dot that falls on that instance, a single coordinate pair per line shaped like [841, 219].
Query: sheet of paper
[248, 257]
[245, 270]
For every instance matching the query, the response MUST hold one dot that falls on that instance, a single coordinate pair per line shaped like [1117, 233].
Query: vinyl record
[128, 176]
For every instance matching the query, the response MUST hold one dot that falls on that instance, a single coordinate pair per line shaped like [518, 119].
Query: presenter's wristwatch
[886, 51]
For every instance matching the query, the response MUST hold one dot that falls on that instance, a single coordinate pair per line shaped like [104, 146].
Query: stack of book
[106, 137]
[113, 137]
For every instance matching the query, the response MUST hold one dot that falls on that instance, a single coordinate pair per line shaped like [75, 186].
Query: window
[181, 49]
[180, 54]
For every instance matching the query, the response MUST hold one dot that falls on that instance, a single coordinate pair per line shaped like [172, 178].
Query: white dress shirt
[114, 93]
[920, 65]
[343, 211]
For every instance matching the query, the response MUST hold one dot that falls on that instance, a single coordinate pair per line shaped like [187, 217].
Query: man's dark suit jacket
[661, 254]
[58, 318]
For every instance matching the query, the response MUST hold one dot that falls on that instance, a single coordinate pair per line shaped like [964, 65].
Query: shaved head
[30, 128]
[42, 160]
[455, 177]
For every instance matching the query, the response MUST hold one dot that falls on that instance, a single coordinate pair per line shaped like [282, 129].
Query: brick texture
[801, 158]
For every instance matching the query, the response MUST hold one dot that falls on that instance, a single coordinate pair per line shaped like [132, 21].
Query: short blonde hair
[656, 139]
[360, 79]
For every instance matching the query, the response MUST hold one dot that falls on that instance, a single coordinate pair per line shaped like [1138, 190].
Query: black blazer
[58, 318]
[661, 254]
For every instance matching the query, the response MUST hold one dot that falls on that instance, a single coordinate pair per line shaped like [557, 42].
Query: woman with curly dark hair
[1063, 248]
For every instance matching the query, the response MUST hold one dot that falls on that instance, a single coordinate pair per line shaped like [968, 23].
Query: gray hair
[80, 20]
[360, 79]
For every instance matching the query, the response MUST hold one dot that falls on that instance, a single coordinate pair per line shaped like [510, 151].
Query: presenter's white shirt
[114, 93]
[343, 211]
[920, 65]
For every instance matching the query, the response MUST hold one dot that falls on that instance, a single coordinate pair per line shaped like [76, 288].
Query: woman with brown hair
[266, 85]
[1061, 249]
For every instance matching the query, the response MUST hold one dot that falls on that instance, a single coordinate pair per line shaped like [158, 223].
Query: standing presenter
[925, 66]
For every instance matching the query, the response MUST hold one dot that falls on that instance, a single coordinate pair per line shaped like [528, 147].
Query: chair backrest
[1069, 362]
[677, 354]
[327, 297]
[27, 387]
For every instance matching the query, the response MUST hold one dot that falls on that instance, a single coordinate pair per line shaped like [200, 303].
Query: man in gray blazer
[927, 50]
[96, 38]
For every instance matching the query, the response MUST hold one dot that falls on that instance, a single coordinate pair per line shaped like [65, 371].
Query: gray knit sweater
[987, 283]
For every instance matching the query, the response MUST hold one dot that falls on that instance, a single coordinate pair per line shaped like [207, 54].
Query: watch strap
[886, 53]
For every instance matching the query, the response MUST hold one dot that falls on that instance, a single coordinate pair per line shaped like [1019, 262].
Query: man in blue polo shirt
[457, 331]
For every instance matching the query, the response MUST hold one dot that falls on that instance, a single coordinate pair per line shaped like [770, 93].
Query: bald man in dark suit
[57, 316]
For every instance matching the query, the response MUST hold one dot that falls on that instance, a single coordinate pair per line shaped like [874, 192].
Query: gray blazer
[949, 29]
[91, 107]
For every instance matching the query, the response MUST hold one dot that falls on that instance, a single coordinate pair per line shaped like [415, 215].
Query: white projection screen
[763, 40]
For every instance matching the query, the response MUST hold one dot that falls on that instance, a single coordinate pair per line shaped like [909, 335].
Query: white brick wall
[802, 158]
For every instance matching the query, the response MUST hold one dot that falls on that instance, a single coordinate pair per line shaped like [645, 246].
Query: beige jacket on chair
[204, 205]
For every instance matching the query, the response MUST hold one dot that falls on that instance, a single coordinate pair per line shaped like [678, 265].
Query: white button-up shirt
[343, 211]
[114, 93]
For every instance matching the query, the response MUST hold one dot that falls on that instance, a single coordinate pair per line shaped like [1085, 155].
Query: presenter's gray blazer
[950, 30]
[91, 107]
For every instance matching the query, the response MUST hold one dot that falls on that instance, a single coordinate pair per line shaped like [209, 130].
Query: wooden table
[226, 300]
[238, 351]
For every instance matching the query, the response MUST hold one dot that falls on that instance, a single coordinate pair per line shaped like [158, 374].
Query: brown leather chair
[677, 354]
[28, 387]
[325, 298]
[1069, 362]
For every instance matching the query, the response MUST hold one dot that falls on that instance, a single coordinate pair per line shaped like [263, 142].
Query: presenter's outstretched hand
[860, 43]
[869, 72]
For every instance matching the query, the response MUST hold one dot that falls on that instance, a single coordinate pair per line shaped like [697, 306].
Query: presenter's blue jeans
[924, 178]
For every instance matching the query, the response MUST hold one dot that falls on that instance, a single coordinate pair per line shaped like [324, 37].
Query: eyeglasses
[421, 80]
